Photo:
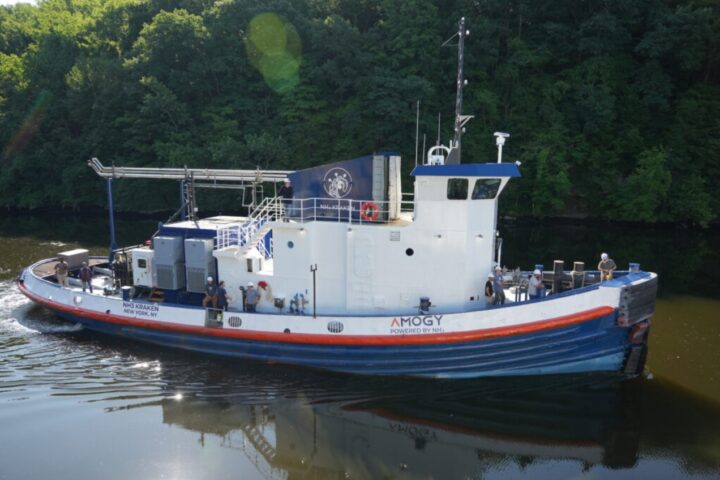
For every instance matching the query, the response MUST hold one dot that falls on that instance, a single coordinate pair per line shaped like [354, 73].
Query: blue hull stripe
[594, 345]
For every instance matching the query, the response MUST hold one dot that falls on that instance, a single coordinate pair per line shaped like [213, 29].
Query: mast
[460, 82]
[460, 119]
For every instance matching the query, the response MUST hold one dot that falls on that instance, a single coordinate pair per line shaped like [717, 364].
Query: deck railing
[306, 210]
[343, 210]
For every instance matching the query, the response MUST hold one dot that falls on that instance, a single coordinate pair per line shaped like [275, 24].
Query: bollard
[578, 274]
[558, 268]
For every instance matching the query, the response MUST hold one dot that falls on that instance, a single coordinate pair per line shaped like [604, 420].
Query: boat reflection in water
[335, 427]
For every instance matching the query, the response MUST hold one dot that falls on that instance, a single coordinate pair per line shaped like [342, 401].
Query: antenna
[500, 141]
[438, 137]
[417, 129]
[460, 119]
[460, 83]
[423, 149]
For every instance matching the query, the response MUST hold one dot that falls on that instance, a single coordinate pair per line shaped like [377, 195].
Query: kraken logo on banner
[337, 182]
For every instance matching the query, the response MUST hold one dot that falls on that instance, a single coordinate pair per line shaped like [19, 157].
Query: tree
[644, 192]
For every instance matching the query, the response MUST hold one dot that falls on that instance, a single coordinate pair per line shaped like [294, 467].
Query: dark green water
[77, 406]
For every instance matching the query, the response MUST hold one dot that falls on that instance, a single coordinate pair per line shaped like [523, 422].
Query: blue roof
[468, 170]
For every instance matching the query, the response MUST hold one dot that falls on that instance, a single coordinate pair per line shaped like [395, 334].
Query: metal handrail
[345, 210]
[212, 174]
[246, 233]
[251, 233]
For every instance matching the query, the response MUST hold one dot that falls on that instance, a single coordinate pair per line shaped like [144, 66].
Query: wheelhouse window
[486, 188]
[142, 263]
[457, 189]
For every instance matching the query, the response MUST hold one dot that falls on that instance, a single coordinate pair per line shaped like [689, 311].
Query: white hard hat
[604, 256]
[490, 275]
[287, 180]
[250, 284]
[498, 267]
[210, 279]
[537, 272]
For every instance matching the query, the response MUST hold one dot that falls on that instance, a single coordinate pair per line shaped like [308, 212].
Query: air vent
[235, 322]
[335, 327]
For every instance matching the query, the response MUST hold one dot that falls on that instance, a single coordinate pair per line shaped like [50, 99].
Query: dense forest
[613, 106]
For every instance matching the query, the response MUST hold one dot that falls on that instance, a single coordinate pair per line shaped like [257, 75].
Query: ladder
[251, 233]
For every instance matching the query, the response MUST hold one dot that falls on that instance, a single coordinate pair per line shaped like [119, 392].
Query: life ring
[369, 211]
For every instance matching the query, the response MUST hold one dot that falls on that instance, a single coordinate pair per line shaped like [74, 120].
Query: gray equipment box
[199, 263]
[168, 250]
[74, 258]
[169, 262]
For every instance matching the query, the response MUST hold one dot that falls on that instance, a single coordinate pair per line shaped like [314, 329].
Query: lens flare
[274, 48]
[29, 126]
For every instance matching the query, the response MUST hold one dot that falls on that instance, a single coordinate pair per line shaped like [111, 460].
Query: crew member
[535, 285]
[286, 193]
[86, 277]
[210, 293]
[489, 288]
[499, 287]
[222, 297]
[607, 267]
[251, 298]
[61, 272]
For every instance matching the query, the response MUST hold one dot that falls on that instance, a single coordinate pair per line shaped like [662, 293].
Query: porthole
[287, 330]
[235, 322]
[409, 252]
[290, 244]
[335, 327]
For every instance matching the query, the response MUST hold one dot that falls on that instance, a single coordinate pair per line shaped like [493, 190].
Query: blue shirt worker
[222, 296]
[86, 277]
[211, 291]
[251, 298]
[499, 287]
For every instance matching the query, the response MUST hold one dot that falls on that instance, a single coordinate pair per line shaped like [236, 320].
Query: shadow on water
[317, 425]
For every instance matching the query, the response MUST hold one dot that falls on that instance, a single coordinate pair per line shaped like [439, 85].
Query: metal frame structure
[212, 178]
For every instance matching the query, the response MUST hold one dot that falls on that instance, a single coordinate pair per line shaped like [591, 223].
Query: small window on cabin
[486, 188]
[142, 263]
[457, 189]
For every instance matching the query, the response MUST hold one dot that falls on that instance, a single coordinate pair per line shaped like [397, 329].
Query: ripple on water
[43, 357]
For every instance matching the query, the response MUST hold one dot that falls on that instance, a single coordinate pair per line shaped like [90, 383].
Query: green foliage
[614, 107]
[645, 190]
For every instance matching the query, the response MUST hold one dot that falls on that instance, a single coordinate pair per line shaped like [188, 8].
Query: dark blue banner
[340, 188]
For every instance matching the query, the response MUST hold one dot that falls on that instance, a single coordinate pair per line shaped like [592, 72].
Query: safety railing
[242, 234]
[251, 232]
[343, 210]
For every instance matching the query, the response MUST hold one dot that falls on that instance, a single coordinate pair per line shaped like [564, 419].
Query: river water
[78, 406]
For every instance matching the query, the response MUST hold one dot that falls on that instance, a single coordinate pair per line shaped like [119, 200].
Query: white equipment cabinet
[142, 267]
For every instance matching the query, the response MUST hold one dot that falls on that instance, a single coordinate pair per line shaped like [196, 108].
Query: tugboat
[345, 275]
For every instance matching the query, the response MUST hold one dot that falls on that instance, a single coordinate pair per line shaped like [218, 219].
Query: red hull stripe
[330, 339]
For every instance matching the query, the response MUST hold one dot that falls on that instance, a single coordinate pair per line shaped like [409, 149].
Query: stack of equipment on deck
[199, 263]
[169, 262]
